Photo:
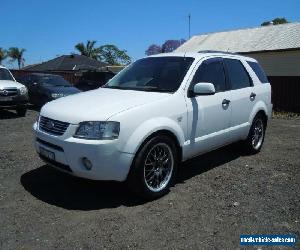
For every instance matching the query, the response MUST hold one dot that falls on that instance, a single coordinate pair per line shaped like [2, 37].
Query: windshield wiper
[112, 87]
[156, 89]
[148, 88]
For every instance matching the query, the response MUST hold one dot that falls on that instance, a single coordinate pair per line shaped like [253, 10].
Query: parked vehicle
[92, 80]
[43, 88]
[13, 95]
[156, 113]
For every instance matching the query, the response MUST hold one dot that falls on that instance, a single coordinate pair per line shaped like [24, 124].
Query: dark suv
[43, 88]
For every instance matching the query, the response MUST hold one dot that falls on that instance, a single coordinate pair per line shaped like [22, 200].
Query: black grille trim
[58, 128]
[56, 164]
[9, 92]
[50, 145]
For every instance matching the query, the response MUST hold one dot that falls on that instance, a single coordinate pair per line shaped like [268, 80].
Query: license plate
[6, 99]
[48, 154]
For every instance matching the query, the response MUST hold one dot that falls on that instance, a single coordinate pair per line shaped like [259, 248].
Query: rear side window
[237, 74]
[259, 71]
[211, 71]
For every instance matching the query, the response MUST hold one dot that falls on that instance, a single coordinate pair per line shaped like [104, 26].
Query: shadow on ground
[8, 114]
[62, 190]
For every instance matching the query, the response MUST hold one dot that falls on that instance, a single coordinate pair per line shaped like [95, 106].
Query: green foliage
[16, 54]
[108, 53]
[112, 55]
[275, 21]
[3, 54]
[88, 50]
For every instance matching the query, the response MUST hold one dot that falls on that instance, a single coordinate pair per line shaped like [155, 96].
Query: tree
[171, 45]
[88, 50]
[112, 55]
[3, 55]
[17, 54]
[275, 21]
[153, 50]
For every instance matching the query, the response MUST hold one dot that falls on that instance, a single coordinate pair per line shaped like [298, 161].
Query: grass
[285, 115]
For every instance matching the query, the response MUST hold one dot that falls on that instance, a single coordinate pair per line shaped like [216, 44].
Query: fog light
[87, 163]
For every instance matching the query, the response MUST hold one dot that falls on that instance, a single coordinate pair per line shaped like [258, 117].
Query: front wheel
[154, 168]
[256, 136]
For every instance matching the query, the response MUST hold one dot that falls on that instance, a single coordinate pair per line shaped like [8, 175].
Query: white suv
[157, 112]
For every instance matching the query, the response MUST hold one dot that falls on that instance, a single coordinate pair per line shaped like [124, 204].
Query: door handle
[252, 96]
[225, 102]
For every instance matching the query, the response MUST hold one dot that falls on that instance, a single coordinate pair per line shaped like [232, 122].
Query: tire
[151, 177]
[21, 112]
[256, 136]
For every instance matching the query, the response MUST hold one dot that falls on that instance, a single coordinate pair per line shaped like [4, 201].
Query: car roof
[205, 53]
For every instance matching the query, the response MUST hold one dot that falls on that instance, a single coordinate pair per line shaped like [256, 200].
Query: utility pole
[189, 25]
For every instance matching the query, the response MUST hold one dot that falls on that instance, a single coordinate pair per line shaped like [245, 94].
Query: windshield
[161, 74]
[5, 75]
[52, 81]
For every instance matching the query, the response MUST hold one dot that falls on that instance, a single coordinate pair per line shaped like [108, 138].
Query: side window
[258, 71]
[237, 74]
[211, 71]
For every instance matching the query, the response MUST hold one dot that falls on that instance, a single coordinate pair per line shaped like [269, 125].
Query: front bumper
[15, 102]
[108, 162]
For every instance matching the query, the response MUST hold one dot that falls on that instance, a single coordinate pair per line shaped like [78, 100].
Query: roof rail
[217, 51]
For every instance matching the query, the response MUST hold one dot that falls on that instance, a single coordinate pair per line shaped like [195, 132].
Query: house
[276, 47]
[67, 63]
[82, 71]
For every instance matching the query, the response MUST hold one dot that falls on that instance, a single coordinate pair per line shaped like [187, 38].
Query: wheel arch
[259, 108]
[154, 127]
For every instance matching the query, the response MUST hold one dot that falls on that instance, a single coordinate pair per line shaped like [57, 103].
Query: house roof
[264, 38]
[66, 63]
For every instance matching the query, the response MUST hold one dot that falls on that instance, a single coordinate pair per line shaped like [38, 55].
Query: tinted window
[50, 80]
[211, 71]
[162, 74]
[258, 71]
[5, 75]
[238, 76]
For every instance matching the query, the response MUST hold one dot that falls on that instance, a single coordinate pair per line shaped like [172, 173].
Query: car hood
[97, 105]
[62, 90]
[10, 84]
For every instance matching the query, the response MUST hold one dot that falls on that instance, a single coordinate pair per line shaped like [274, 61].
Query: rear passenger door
[243, 97]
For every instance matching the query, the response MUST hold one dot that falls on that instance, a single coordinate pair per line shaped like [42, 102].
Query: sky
[50, 28]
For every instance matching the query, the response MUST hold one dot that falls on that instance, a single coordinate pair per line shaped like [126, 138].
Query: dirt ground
[217, 197]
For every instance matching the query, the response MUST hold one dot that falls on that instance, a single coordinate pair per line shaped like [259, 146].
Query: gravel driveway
[218, 196]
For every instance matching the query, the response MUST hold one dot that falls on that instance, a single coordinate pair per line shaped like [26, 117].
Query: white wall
[285, 63]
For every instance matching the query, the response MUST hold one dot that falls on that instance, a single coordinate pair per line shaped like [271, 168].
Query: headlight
[98, 130]
[57, 95]
[23, 90]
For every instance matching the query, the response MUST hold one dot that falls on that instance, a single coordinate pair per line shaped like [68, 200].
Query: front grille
[52, 126]
[9, 92]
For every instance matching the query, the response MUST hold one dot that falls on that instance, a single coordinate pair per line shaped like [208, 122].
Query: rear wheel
[21, 111]
[154, 168]
[256, 136]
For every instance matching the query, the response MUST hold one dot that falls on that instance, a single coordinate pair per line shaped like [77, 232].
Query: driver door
[209, 116]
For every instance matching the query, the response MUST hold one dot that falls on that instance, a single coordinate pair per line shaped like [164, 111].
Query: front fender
[147, 128]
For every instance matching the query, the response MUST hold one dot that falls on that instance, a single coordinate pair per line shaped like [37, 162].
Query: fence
[286, 93]
[69, 76]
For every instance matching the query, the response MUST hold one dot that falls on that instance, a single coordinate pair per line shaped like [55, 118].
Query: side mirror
[202, 88]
